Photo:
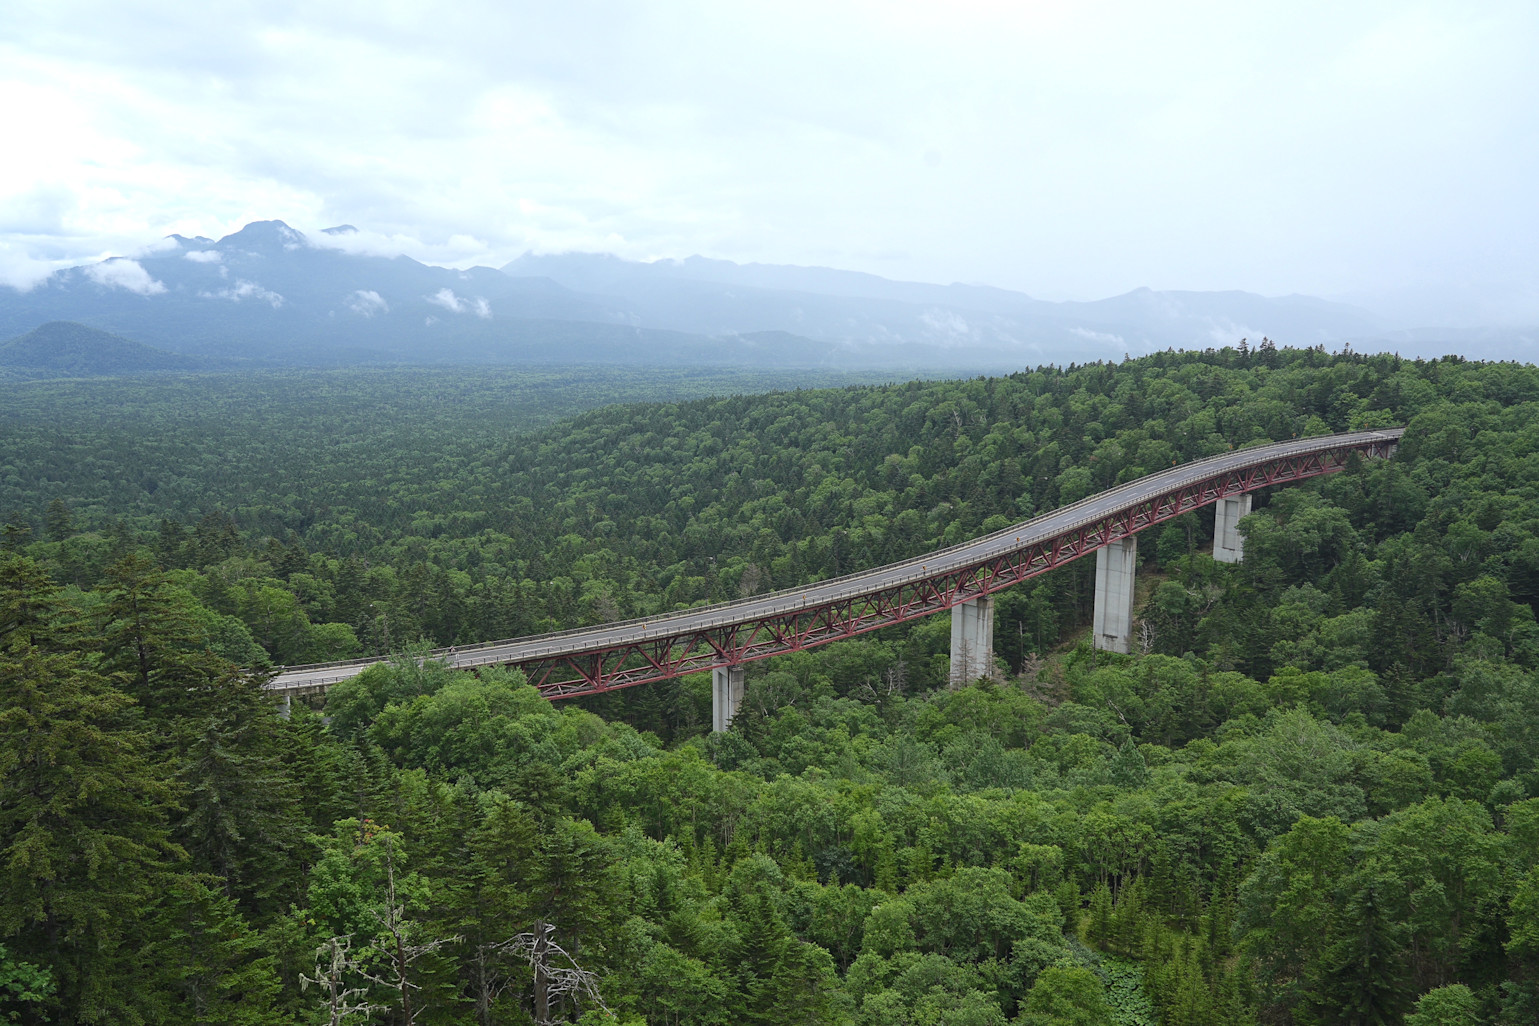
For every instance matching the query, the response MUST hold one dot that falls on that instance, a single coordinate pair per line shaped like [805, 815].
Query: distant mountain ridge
[269, 295]
[717, 297]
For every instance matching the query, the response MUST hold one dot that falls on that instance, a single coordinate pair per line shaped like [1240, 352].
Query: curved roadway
[957, 557]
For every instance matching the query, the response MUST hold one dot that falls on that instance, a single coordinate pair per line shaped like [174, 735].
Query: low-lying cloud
[1097, 336]
[243, 290]
[1227, 333]
[203, 256]
[366, 303]
[458, 249]
[446, 298]
[122, 273]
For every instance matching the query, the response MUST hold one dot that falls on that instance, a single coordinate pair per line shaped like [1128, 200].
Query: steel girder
[625, 665]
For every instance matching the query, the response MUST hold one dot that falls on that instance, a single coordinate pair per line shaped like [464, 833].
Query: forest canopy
[1312, 796]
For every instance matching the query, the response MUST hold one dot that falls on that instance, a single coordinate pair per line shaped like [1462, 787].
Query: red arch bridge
[961, 578]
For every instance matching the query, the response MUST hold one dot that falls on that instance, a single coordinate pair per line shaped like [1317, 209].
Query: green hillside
[64, 349]
[1312, 798]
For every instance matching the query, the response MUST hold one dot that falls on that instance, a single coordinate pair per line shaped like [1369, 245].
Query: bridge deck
[942, 563]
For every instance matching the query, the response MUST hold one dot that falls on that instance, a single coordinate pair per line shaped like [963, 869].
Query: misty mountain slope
[267, 292]
[1152, 317]
[657, 296]
[68, 350]
[604, 273]
[268, 295]
[720, 297]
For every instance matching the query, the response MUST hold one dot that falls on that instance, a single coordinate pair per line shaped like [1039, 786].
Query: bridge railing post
[726, 696]
[1228, 542]
[1115, 568]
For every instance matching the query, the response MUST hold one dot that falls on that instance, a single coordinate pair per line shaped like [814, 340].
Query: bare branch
[570, 980]
[1147, 635]
[334, 960]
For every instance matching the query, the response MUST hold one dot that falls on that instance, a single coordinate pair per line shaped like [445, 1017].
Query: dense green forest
[1312, 798]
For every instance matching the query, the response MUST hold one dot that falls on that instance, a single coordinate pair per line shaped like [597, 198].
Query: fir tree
[84, 836]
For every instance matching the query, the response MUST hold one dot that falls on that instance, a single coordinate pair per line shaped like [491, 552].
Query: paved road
[957, 557]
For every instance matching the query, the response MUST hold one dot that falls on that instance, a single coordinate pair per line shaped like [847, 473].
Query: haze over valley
[271, 296]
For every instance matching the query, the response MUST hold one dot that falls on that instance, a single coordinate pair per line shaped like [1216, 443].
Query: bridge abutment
[972, 640]
[726, 696]
[1228, 543]
[1115, 567]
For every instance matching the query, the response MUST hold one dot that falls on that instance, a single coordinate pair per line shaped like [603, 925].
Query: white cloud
[246, 290]
[203, 256]
[948, 323]
[158, 247]
[23, 272]
[454, 250]
[1097, 336]
[366, 303]
[1227, 333]
[1189, 159]
[122, 273]
[446, 298]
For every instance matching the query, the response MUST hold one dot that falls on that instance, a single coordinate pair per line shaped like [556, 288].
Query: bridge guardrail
[1196, 471]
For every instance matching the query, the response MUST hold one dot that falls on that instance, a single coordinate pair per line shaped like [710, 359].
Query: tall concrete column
[972, 640]
[1115, 566]
[287, 706]
[1228, 543]
[726, 695]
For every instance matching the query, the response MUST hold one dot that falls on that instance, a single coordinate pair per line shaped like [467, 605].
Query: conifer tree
[241, 821]
[207, 965]
[85, 843]
[1363, 982]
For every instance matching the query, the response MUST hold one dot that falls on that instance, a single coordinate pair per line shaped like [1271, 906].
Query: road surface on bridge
[1062, 522]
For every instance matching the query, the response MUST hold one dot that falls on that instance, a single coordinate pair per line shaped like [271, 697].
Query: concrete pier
[726, 695]
[1228, 543]
[1115, 566]
[972, 640]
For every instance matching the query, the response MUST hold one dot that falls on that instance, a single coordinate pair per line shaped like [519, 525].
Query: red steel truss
[605, 667]
[618, 655]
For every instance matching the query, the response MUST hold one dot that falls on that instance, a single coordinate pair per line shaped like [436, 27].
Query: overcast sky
[1070, 150]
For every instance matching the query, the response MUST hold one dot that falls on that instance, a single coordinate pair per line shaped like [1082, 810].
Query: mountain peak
[341, 229]
[264, 235]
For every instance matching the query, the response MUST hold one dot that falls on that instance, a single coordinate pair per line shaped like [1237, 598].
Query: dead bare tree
[961, 656]
[334, 964]
[891, 684]
[492, 977]
[553, 980]
[748, 584]
[400, 953]
[1207, 597]
[1147, 636]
